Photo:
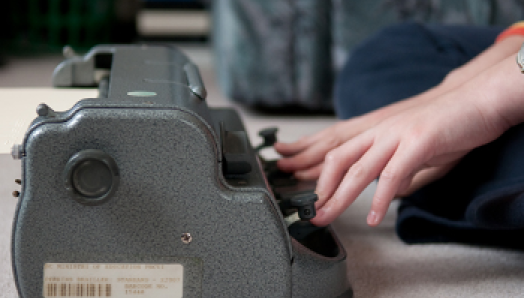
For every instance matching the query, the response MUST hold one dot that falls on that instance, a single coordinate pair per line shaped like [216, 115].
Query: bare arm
[415, 141]
[431, 135]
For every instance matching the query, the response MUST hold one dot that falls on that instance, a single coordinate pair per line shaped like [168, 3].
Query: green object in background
[46, 26]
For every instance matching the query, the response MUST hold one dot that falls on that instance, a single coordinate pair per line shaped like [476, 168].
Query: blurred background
[34, 32]
[271, 54]
[45, 26]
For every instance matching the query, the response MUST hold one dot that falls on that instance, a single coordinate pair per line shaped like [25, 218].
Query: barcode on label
[77, 290]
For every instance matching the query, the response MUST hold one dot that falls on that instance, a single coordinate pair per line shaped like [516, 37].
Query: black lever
[234, 151]
[304, 203]
[270, 137]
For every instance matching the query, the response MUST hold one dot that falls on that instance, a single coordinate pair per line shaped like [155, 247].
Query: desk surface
[19, 109]
[379, 265]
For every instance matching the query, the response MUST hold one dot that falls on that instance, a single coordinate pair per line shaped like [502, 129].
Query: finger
[425, 177]
[340, 131]
[357, 178]
[405, 160]
[336, 165]
[293, 148]
[405, 185]
[289, 149]
[310, 157]
[309, 174]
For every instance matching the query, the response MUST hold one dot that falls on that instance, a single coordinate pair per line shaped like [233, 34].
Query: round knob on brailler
[305, 204]
[91, 176]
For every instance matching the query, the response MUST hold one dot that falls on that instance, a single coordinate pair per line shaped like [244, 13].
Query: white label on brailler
[113, 280]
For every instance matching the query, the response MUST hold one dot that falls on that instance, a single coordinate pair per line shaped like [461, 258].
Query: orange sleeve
[515, 29]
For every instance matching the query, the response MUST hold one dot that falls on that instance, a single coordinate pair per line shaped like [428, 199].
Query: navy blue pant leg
[481, 201]
[404, 60]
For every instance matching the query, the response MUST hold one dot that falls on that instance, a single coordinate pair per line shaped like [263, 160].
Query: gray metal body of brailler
[168, 151]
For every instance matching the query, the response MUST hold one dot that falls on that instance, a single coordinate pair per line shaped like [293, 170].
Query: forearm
[488, 58]
[507, 47]
[499, 92]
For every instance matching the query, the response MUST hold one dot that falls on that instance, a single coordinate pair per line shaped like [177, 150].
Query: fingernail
[318, 217]
[372, 218]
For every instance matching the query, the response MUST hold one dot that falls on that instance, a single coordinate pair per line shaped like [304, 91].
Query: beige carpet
[379, 265]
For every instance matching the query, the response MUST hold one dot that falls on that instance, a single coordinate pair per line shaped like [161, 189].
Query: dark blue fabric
[481, 201]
